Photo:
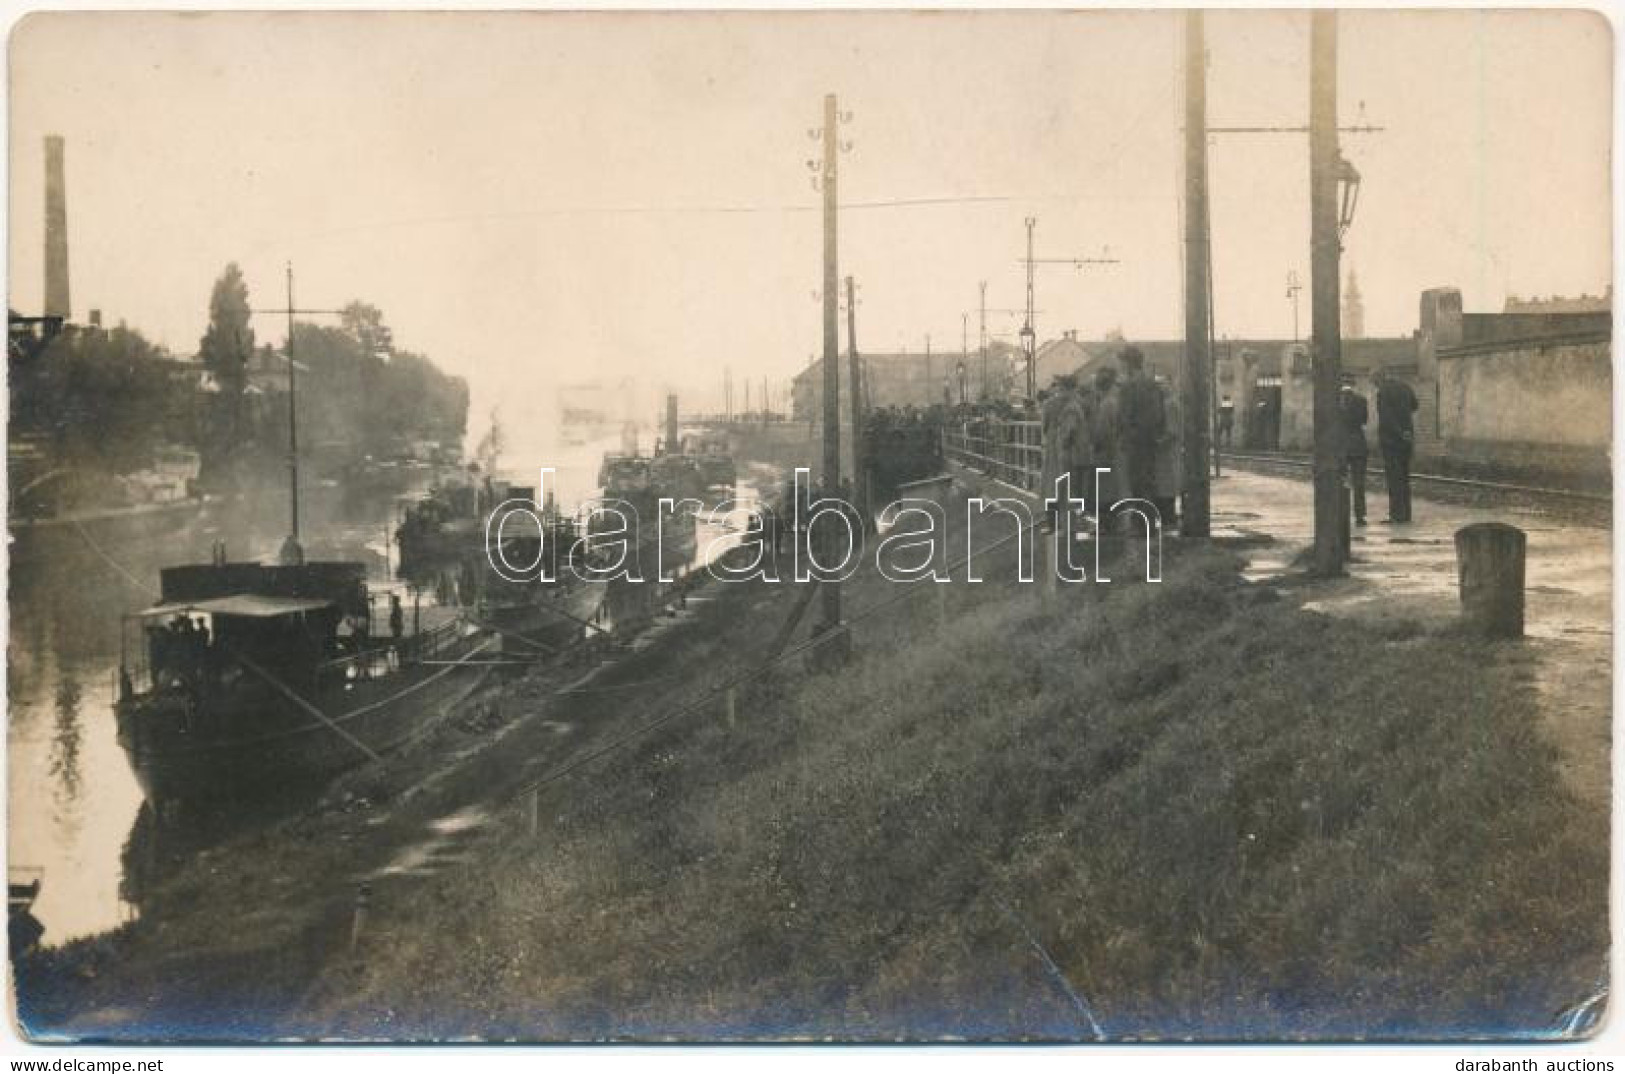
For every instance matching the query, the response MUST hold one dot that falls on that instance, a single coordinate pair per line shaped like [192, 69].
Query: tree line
[104, 401]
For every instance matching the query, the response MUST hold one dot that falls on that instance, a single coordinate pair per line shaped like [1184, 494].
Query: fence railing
[1011, 451]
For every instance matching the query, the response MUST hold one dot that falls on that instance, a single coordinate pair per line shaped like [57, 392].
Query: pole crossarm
[1359, 128]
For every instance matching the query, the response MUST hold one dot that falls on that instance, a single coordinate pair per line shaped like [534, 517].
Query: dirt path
[1407, 575]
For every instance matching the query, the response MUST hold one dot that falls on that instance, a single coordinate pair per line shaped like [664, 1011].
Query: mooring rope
[111, 562]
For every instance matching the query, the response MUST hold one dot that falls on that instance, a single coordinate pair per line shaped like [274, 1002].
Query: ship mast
[292, 554]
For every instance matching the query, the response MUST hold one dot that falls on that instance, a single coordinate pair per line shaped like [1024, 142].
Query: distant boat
[538, 601]
[23, 929]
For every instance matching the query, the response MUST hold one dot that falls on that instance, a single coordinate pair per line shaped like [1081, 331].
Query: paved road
[1408, 572]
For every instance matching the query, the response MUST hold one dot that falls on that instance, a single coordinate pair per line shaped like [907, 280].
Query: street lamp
[1348, 191]
[1028, 338]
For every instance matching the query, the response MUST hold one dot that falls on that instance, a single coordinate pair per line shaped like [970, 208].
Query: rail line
[1264, 461]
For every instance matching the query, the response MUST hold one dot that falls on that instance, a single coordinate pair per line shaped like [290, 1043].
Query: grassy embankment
[1218, 814]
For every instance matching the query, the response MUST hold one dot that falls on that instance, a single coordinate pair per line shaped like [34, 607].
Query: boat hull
[264, 744]
[553, 618]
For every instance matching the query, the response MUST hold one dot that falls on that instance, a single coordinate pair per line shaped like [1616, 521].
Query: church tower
[1353, 309]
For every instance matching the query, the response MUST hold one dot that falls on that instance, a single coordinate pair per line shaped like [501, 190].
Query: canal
[77, 817]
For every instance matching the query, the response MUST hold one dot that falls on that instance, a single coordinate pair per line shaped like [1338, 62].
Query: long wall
[1530, 410]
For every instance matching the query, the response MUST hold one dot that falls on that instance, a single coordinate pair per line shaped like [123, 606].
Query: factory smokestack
[57, 303]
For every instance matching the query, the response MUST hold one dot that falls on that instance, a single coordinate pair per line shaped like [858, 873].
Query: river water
[73, 801]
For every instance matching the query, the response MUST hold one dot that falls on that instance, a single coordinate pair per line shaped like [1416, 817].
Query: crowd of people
[1126, 420]
[903, 444]
[1123, 420]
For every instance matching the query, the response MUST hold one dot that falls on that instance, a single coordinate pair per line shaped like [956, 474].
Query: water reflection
[65, 747]
[74, 803]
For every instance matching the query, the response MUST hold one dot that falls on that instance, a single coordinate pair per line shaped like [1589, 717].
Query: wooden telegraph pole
[860, 449]
[981, 342]
[832, 357]
[1196, 507]
[1325, 328]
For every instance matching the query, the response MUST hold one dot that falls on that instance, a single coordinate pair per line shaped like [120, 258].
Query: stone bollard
[1490, 564]
[533, 809]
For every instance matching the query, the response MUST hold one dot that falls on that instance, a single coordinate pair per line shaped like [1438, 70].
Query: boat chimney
[56, 231]
[671, 425]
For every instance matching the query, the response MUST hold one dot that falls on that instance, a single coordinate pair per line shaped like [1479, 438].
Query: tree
[229, 341]
[224, 351]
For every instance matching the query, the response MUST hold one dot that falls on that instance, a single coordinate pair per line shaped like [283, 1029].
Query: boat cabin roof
[244, 605]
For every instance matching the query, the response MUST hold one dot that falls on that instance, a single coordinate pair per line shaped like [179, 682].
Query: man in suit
[1140, 425]
[1396, 436]
[1355, 414]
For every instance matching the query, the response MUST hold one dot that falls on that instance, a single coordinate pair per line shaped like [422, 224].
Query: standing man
[1396, 436]
[1140, 425]
[1103, 441]
[1066, 437]
[1355, 414]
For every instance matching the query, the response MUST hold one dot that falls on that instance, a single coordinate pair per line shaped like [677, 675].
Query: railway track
[1577, 503]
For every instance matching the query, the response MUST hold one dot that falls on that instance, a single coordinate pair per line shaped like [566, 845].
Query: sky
[537, 199]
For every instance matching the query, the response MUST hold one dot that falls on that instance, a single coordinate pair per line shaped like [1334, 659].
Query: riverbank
[1212, 812]
[1188, 809]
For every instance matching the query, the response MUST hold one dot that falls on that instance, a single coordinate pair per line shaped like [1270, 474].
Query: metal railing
[382, 656]
[1010, 451]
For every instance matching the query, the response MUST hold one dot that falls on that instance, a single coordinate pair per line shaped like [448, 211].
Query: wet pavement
[1407, 573]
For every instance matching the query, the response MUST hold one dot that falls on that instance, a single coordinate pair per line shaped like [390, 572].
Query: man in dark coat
[1396, 436]
[1355, 414]
[1141, 423]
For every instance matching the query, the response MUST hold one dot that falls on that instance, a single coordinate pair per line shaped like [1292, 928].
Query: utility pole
[860, 446]
[1326, 331]
[1029, 334]
[1292, 289]
[832, 343]
[981, 341]
[930, 380]
[1195, 517]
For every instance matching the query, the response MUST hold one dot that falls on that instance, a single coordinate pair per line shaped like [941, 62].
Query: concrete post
[1490, 564]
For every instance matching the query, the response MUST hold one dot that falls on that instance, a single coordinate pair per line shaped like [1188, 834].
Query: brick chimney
[57, 303]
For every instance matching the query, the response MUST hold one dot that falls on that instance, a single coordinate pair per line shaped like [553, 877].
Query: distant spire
[1353, 309]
